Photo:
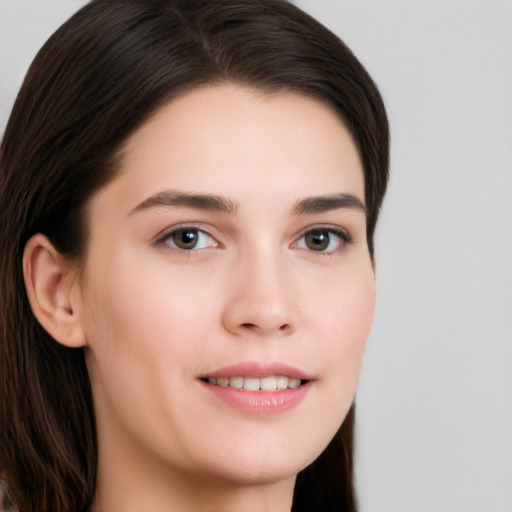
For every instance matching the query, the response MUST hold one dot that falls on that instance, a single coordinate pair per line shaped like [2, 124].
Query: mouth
[259, 387]
[268, 383]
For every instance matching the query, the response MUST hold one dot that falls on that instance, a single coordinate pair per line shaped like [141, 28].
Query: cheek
[145, 303]
[346, 327]
[355, 312]
[135, 327]
[143, 334]
[143, 350]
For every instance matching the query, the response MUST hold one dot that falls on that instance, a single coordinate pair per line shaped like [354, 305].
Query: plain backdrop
[435, 397]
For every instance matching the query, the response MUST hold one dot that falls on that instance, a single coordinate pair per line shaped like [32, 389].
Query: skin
[155, 318]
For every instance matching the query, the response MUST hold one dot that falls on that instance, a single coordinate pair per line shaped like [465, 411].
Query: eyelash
[342, 236]
[167, 237]
[343, 239]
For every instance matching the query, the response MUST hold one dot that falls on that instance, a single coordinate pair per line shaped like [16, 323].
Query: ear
[51, 284]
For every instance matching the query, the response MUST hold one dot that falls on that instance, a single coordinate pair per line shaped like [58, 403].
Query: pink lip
[260, 369]
[260, 402]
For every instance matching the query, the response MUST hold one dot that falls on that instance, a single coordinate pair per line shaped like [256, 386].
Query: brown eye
[189, 239]
[323, 240]
[317, 240]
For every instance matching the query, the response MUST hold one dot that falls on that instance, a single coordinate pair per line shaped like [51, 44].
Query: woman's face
[230, 251]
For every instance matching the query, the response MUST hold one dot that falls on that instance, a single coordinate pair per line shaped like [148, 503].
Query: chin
[262, 463]
[256, 475]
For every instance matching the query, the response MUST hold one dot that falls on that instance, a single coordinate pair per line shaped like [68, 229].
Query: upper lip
[260, 369]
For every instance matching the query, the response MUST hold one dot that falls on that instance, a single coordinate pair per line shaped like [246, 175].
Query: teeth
[252, 383]
[236, 382]
[282, 382]
[270, 383]
[294, 383]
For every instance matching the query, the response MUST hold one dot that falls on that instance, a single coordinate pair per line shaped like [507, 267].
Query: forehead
[219, 126]
[242, 144]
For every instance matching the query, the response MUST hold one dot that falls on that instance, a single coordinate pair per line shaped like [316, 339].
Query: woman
[189, 194]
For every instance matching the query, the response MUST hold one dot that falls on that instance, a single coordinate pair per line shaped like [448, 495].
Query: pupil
[186, 239]
[318, 240]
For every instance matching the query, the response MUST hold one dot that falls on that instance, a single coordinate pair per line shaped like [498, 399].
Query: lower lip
[260, 402]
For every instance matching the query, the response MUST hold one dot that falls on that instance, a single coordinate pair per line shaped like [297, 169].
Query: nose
[262, 298]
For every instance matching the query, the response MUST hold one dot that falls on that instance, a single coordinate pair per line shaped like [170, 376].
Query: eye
[323, 240]
[188, 239]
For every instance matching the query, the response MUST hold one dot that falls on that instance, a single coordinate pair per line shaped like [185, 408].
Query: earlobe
[50, 280]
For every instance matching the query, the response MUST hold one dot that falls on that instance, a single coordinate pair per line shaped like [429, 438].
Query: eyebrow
[320, 204]
[220, 204]
[207, 202]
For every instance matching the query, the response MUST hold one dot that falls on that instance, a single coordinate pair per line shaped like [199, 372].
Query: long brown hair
[96, 80]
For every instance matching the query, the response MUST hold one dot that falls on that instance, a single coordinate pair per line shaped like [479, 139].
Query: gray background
[435, 397]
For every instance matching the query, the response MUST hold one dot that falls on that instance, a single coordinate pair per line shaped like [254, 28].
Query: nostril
[252, 327]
